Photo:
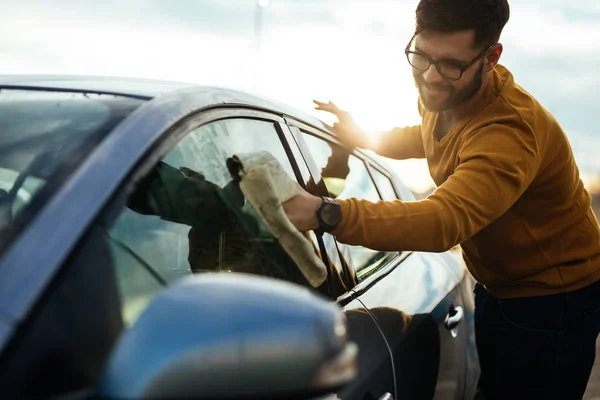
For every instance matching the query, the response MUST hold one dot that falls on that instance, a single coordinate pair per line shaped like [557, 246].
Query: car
[119, 211]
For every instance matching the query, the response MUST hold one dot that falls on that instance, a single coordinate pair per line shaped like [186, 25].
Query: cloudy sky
[349, 51]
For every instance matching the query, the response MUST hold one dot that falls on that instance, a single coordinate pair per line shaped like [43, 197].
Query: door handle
[455, 315]
[387, 396]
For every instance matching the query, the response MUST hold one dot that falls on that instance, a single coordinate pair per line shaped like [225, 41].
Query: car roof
[147, 89]
[142, 88]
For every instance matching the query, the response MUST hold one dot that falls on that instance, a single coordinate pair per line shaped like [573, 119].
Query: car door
[375, 379]
[186, 213]
[454, 344]
[205, 148]
[146, 237]
[409, 294]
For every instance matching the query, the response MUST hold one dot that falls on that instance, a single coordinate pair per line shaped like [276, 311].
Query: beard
[454, 97]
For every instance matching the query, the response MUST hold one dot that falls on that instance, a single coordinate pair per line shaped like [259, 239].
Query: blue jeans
[537, 347]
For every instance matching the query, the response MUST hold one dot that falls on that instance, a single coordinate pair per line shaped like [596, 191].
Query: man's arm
[497, 165]
[399, 143]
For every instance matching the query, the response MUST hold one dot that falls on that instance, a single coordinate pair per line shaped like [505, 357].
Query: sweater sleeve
[400, 143]
[496, 165]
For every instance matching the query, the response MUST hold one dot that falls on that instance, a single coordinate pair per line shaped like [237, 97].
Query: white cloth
[266, 186]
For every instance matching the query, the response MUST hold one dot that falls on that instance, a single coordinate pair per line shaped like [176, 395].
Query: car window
[342, 278]
[189, 216]
[43, 137]
[384, 185]
[23, 195]
[346, 176]
[136, 279]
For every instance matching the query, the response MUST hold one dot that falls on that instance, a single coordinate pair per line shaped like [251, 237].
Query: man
[509, 193]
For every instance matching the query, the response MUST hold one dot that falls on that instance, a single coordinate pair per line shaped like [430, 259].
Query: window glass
[189, 216]
[24, 194]
[358, 183]
[346, 176]
[43, 137]
[341, 279]
[339, 258]
[136, 279]
[384, 185]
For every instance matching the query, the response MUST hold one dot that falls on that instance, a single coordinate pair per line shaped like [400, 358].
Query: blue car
[132, 265]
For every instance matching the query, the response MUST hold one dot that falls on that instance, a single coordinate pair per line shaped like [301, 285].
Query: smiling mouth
[436, 89]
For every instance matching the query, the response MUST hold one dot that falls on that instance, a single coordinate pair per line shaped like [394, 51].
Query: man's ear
[493, 57]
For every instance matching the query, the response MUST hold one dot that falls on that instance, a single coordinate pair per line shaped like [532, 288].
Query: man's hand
[347, 129]
[302, 210]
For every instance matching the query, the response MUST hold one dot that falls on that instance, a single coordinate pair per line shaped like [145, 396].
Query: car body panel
[410, 305]
[412, 313]
[410, 336]
[402, 302]
[375, 373]
[206, 96]
[130, 140]
[141, 88]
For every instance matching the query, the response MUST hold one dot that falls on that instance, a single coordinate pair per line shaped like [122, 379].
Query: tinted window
[189, 216]
[43, 138]
[346, 176]
[384, 185]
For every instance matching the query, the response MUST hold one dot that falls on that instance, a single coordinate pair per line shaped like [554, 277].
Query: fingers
[321, 106]
[329, 107]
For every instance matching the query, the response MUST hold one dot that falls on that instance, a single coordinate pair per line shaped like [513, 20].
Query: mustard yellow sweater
[509, 193]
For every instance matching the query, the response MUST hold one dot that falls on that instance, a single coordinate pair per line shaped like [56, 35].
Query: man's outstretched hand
[302, 210]
[347, 129]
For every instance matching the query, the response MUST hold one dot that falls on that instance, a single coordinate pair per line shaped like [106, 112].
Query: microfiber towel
[266, 186]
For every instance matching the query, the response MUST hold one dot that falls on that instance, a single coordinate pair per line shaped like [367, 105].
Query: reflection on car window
[385, 185]
[346, 176]
[358, 184]
[138, 283]
[43, 137]
[189, 216]
[24, 194]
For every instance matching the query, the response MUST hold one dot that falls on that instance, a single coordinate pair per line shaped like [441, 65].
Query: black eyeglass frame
[435, 63]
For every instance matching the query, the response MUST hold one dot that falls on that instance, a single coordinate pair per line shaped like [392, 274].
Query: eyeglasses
[447, 69]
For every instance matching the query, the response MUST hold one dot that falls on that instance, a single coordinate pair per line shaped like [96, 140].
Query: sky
[347, 51]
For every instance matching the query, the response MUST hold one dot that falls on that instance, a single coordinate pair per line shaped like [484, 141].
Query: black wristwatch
[329, 215]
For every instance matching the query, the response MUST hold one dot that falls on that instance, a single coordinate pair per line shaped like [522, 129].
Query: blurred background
[347, 51]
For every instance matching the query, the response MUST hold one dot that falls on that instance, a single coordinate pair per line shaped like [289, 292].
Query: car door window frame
[298, 128]
[373, 168]
[345, 274]
[297, 133]
[179, 131]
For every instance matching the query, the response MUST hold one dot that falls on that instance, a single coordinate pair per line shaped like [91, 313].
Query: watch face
[331, 214]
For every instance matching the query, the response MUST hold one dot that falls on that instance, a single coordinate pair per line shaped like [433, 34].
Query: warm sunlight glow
[349, 52]
[383, 109]
[414, 174]
[591, 182]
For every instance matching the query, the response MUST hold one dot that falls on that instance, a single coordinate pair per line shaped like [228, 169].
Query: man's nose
[432, 76]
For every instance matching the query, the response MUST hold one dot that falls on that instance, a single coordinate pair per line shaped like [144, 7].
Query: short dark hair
[487, 17]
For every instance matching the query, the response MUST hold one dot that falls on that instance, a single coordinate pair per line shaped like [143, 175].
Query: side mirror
[225, 336]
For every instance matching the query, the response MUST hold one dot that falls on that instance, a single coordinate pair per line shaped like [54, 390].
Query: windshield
[44, 136]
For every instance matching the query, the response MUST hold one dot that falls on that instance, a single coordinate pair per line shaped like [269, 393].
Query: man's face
[438, 93]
